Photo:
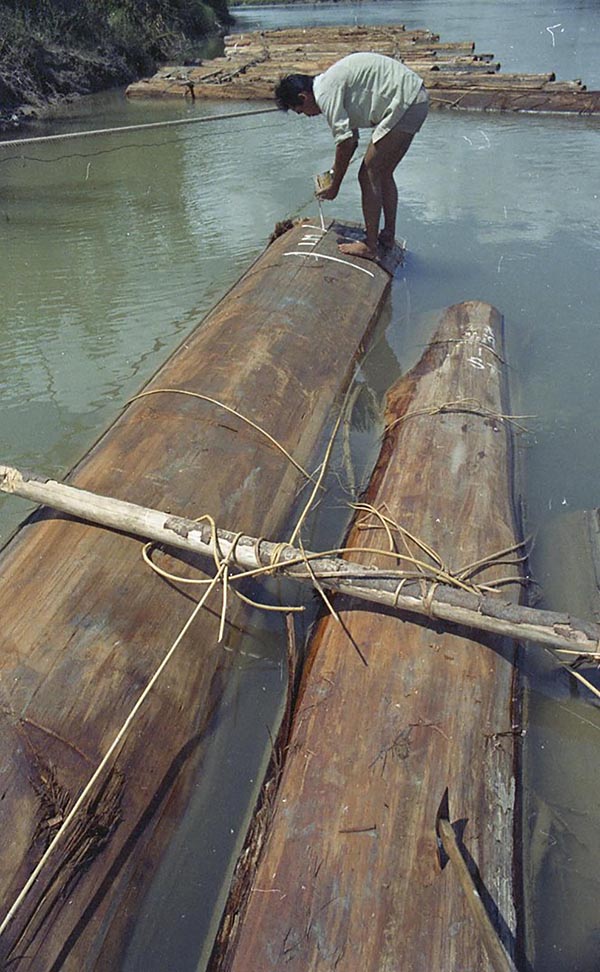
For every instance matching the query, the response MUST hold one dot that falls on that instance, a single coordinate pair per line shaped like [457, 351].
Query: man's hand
[329, 193]
[343, 153]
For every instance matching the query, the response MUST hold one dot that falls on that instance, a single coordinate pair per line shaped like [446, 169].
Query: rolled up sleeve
[334, 109]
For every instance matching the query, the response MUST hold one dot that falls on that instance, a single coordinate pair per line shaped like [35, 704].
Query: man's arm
[343, 154]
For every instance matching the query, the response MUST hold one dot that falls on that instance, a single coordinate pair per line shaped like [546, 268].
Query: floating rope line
[38, 139]
[324, 465]
[119, 738]
[320, 205]
[117, 146]
[318, 586]
[232, 411]
[463, 575]
[468, 405]
[148, 548]
[387, 522]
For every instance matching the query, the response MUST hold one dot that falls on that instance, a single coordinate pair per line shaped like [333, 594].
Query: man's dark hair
[289, 89]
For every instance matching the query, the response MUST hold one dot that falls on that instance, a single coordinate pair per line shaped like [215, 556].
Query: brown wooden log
[566, 557]
[544, 101]
[317, 61]
[342, 33]
[566, 563]
[349, 874]
[84, 624]
[339, 49]
[486, 81]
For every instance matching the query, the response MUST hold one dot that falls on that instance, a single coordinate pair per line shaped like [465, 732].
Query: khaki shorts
[415, 115]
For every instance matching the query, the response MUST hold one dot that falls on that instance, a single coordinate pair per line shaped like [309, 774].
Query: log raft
[349, 874]
[85, 624]
[454, 74]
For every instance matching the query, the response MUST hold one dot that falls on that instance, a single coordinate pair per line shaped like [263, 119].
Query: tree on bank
[52, 48]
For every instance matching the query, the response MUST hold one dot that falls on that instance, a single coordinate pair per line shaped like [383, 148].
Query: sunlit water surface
[112, 249]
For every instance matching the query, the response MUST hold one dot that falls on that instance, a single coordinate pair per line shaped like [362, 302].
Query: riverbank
[55, 53]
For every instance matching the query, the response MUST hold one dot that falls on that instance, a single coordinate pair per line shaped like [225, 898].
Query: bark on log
[84, 624]
[481, 612]
[349, 875]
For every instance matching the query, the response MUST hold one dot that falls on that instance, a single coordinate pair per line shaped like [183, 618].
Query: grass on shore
[52, 48]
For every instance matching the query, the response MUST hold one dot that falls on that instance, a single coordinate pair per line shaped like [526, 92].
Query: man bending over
[364, 91]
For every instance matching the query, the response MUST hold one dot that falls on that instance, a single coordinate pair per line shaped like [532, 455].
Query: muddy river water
[112, 249]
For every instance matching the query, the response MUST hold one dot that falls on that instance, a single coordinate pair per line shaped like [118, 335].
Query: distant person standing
[364, 91]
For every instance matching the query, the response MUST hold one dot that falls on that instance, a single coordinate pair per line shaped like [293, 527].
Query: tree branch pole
[445, 603]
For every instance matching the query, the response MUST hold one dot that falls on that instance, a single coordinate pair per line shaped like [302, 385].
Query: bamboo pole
[438, 601]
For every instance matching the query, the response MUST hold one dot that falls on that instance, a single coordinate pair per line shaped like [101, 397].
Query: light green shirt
[365, 91]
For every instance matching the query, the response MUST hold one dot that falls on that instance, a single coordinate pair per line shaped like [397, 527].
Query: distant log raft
[85, 624]
[349, 876]
[455, 76]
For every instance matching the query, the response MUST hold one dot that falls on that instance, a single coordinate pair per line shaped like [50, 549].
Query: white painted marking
[476, 362]
[551, 32]
[488, 336]
[323, 256]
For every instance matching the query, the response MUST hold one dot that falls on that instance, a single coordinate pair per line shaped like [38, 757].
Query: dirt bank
[56, 75]
[49, 59]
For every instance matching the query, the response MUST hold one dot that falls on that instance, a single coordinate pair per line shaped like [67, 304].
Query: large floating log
[454, 74]
[85, 624]
[545, 101]
[337, 49]
[561, 828]
[359, 33]
[566, 557]
[349, 875]
[317, 61]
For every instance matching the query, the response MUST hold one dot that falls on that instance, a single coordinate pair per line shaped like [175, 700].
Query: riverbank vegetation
[50, 49]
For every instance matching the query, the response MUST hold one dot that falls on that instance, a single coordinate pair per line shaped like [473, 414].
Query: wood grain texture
[349, 878]
[84, 623]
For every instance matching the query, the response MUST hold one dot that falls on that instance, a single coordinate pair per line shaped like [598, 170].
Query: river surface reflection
[114, 248]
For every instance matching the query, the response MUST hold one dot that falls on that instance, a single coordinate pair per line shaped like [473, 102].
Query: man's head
[296, 92]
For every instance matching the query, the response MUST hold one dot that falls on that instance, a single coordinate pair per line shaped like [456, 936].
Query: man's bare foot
[386, 239]
[358, 249]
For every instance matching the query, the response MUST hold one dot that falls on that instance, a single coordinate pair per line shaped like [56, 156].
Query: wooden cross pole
[482, 612]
